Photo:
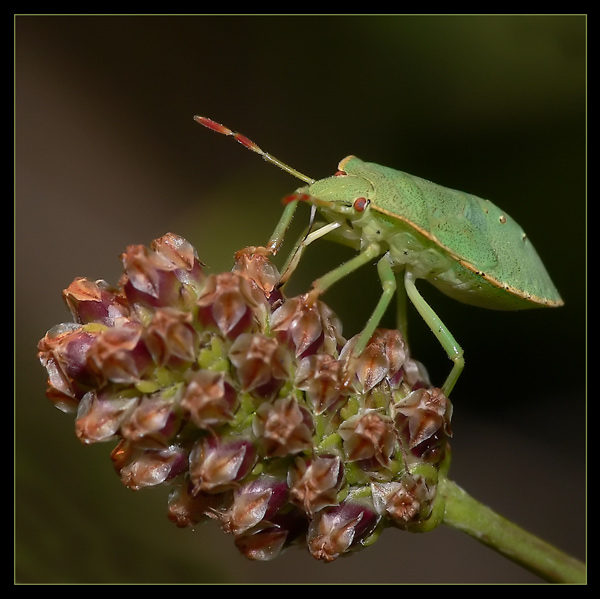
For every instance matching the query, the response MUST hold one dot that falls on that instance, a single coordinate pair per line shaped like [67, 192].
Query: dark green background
[107, 155]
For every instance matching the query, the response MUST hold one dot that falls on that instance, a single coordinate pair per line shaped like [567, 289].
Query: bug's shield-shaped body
[466, 246]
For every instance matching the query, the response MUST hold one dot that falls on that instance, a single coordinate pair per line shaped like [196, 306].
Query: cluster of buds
[250, 406]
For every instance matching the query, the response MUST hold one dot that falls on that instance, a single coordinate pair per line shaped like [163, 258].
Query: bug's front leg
[439, 329]
[276, 240]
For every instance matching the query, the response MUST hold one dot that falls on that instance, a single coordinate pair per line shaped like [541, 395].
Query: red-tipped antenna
[247, 143]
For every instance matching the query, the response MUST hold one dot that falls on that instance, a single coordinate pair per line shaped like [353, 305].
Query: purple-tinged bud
[368, 436]
[218, 464]
[255, 266]
[120, 354]
[148, 279]
[283, 428]
[267, 540]
[415, 375]
[171, 338]
[339, 529]
[152, 424]
[321, 377]
[254, 502]
[208, 398]
[63, 352]
[139, 468]
[100, 415]
[382, 358]
[262, 365]
[186, 509]
[307, 327]
[405, 501]
[186, 265]
[232, 304]
[95, 301]
[314, 483]
[422, 419]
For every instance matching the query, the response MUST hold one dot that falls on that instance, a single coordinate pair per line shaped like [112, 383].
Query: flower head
[251, 406]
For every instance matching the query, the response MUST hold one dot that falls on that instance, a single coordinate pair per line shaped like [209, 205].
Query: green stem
[464, 513]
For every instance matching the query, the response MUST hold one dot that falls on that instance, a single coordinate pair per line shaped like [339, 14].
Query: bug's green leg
[454, 351]
[326, 281]
[276, 240]
[305, 240]
[401, 305]
[388, 283]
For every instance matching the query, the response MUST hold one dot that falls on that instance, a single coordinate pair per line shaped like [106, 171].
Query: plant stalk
[468, 515]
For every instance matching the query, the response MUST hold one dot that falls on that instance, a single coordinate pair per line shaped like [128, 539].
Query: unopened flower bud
[139, 468]
[152, 424]
[368, 436]
[95, 301]
[255, 265]
[188, 509]
[382, 358]
[232, 304]
[307, 327]
[120, 354]
[267, 541]
[254, 502]
[218, 464]
[322, 377]
[171, 338]
[262, 364]
[314, 483]
[423, 422]
[404, 501]
[339, 529]
[63, 352]
[208, 398]
[283, 428]
[100, 415]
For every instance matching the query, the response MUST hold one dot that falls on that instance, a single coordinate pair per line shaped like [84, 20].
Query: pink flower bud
[99, 415]
[262, 365]
[95, 301]
[382, 358]
[232, 304]
[171, 338]
[208, 398]
[307, 327]
[139, 468]
[314, 484]
[152, 424]
[283, 428]
[254, 502]
[63, 352]
[422, 419]
[218, 464]
[368, 436]
[336, 530]
[186, 509]
[120, 354]
[322, 378]
[404, 501]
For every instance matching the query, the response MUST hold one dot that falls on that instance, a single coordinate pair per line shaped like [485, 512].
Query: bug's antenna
[247, 143]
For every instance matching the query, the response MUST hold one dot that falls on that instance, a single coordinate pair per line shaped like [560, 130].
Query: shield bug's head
[346, 192]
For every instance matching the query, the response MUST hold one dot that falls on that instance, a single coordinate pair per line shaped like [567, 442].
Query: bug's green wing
[476, 233]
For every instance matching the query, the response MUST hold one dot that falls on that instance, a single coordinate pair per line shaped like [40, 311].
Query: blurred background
[107, 155]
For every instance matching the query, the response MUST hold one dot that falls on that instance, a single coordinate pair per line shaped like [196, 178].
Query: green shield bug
[465, 246]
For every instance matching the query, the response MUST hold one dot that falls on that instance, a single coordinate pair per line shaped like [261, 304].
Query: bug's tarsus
[250, 145]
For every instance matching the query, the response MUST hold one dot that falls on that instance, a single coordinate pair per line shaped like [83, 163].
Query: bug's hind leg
[439, 329]
[388, 283]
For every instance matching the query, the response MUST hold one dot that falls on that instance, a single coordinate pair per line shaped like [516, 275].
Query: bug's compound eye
[340, 174]
[360, 204]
